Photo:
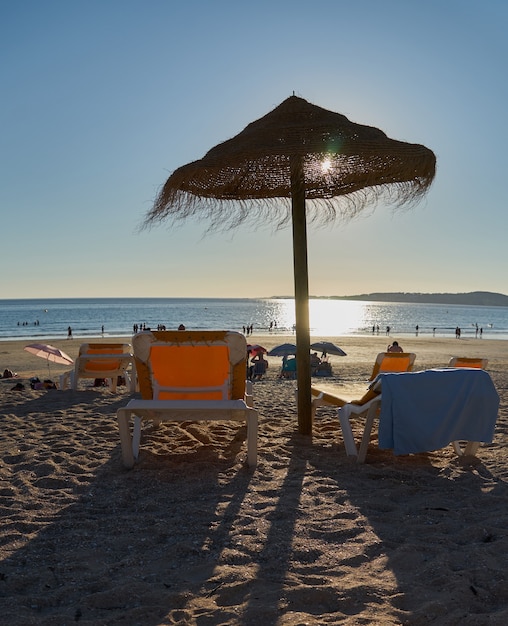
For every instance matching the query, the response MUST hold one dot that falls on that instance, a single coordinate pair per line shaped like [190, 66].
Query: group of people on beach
[458, 331]
[138, 328]
[249, 328]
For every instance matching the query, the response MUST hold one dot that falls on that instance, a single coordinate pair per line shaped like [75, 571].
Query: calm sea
[49, 319]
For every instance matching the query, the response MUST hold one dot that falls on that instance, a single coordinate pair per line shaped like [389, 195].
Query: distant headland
[473, 298]
[479, 298]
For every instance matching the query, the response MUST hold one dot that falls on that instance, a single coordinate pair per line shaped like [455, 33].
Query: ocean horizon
[44, 319]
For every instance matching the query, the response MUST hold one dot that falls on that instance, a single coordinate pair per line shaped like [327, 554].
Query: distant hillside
[480, 298]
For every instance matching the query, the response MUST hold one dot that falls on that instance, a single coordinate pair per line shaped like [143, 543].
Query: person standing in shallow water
[69, 333]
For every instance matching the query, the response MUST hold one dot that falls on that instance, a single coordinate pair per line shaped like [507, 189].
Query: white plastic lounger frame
[370, 409]
[182, 411]
[116, 358]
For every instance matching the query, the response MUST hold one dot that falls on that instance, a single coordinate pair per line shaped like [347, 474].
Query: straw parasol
[298, 163]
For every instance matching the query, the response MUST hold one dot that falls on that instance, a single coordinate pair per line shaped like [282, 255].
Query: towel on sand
[425, 411]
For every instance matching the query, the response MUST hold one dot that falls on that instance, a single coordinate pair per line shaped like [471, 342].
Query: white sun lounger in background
[102, 360]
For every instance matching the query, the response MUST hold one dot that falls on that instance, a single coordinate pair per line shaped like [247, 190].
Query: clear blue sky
[103, 99]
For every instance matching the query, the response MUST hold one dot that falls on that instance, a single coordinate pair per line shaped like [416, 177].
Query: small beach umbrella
[328, 347]
[50, 353]
[285, 349]
[299, 162]
[256, 349]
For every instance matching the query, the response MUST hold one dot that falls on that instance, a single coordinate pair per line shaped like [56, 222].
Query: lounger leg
[252, 438]
[347, 432]
[65, 380]
[136, 436]
[123, 418]
[133, 379]
[369, 422]
[249, 398]
[470, 449]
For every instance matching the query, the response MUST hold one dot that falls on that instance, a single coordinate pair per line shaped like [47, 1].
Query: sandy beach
[192, 536]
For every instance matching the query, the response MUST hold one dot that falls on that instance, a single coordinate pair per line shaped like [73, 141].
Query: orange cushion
[190, 366]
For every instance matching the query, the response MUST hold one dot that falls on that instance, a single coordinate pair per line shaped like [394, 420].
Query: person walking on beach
[69, 333]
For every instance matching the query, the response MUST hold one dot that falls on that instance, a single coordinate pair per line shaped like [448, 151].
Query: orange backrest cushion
[101, 348]
[392, 362]
[468, 362]
[190, 366]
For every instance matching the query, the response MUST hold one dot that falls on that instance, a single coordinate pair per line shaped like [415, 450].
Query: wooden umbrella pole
[301, 279]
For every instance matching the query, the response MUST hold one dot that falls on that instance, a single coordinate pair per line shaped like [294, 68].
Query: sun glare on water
[335, 317]
[327, 317]
[326, 165]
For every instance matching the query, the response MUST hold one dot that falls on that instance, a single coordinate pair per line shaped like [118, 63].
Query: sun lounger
[186, 376]
[425, 411]
[385, 362]
[102, 360]
[393, 362]
[464, 361]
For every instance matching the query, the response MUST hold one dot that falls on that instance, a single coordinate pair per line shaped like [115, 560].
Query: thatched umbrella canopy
[298, 162]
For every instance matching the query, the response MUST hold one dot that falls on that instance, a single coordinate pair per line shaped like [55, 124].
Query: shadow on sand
[191, 536]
